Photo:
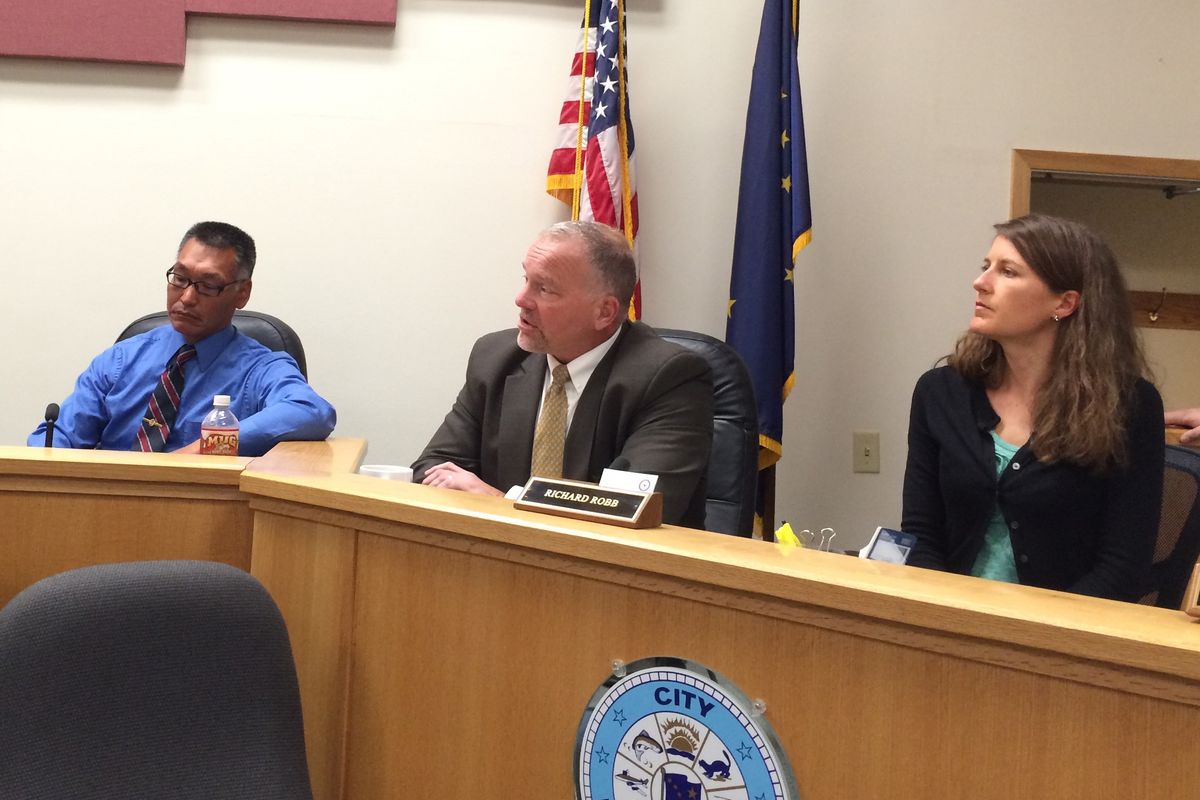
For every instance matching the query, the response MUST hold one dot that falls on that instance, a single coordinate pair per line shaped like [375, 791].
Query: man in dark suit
[634, 401]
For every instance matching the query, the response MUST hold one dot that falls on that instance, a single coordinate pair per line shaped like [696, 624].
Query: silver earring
[1056, 317]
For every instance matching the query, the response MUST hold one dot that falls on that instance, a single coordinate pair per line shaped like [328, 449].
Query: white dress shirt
[581, 369]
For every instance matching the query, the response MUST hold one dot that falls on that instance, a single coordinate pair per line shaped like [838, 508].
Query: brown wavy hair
[1081, 412]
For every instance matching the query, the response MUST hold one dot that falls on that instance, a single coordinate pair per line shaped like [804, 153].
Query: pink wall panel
[145, 31]
[381, 12]
[150, 31]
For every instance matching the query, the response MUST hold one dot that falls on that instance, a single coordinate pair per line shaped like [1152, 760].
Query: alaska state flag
[774, 223]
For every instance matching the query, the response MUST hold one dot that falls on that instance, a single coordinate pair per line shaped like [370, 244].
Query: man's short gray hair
[607, 252]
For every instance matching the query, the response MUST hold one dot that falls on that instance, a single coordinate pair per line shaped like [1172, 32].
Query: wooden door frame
[1027, 162]
[1178, 311]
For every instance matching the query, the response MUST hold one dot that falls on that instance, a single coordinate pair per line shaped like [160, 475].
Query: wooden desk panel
[309, 569]
[62, 509]
[478, 634]
[446, 644]
[470, 672]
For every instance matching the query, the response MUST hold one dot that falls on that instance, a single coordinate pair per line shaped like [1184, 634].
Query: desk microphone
[51, 418]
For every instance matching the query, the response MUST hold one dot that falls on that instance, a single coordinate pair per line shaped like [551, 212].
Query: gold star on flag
[787, 183]
[729, 311]
[783, 139]
[787, 275]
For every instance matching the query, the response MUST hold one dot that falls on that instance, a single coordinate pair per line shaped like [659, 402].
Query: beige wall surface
[393, 179]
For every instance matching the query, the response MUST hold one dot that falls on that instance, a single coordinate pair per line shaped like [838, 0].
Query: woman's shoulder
[944, 392]
[1144, 388]
[941, 380]
[1147, 400]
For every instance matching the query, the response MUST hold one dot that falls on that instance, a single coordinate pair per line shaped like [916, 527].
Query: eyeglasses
[206, 289]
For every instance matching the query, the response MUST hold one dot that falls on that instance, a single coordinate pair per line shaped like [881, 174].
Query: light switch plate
[866, 451]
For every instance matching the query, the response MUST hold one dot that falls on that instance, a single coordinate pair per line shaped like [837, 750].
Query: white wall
[394, 178]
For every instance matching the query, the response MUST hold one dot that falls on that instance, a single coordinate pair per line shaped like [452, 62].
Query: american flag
[591, 168]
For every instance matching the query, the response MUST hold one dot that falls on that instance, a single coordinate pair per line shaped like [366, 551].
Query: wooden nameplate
[587, 501]
[1191, 597]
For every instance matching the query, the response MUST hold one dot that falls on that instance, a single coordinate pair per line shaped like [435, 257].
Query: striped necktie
[550, 438]
[164, 404]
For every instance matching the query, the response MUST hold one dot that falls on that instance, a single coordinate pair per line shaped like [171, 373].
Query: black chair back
[1178, 544]
[156, 679]
[733, 465]
[269, 331]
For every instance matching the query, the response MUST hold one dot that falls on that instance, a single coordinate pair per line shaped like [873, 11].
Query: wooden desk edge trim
[332, 456]
[117, 488]
[227, 472]
[1107, 653]
[342, 455]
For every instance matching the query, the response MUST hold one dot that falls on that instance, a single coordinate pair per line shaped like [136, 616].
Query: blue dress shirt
[270, 397]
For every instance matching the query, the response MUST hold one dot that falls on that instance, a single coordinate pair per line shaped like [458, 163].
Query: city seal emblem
[671, 729]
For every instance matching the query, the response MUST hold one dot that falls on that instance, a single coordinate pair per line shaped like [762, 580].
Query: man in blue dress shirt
[211, 278]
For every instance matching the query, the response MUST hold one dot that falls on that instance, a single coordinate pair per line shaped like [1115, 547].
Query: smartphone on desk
[890, 545]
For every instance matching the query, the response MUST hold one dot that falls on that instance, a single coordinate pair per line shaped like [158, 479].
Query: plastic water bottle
[219, 430]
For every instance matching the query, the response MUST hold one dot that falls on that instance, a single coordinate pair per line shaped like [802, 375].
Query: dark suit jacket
[649, 404]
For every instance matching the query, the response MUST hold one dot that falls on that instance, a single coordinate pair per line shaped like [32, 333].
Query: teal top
[995, 559]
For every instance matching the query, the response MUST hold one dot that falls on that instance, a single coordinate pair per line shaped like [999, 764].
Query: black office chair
[149, 680]
[1178, 544]
[733, 465]
[270, 331]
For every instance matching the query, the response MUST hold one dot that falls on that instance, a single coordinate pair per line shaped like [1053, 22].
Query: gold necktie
[551, 435]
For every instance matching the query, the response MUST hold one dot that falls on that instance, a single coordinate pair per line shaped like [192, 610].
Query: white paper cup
[389, 472]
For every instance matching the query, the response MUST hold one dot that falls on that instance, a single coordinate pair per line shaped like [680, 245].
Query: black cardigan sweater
[1071, 529]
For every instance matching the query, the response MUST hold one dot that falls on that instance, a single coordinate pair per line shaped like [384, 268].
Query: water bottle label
[218, 442]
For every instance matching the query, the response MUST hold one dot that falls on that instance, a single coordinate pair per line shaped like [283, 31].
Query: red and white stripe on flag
[592, 165]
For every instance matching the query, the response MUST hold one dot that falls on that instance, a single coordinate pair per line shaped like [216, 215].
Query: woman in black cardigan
[1036, 454]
